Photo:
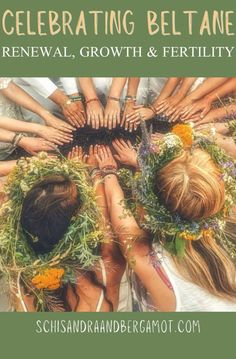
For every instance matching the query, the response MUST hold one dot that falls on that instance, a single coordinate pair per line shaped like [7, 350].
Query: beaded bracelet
[94, 172]
[113, 98]
[109, 172]
[130, 98]
[91, 100]
[110, 167]
[76, 98]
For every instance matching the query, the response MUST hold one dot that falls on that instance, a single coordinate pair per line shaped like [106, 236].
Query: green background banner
[215, 340]
[145, 66]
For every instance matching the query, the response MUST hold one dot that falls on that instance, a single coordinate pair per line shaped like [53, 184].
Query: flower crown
[77, 249]
[166, 227]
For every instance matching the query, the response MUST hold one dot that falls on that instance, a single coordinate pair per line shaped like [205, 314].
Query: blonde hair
[192, 186]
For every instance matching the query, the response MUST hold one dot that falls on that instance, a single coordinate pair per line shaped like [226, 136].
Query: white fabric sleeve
[4, 82]
[69, 84]
[42, 85]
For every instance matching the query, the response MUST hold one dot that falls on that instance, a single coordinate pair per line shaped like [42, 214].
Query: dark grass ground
[87, 136]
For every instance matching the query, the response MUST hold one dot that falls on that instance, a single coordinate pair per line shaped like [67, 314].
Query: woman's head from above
[191, 186]
[47, 211]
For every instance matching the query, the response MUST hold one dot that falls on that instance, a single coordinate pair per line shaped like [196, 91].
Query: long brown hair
[46, 215]
[192, 186]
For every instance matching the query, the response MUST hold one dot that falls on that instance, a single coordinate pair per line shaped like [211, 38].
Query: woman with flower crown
[174, 240]
[63, 257]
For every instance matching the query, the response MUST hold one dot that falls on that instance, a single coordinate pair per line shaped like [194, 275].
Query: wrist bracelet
[14, 138]
[95, 171]
[113, 98]
[130, 98]
[109, 172]
[76, 98]
[110, 167]
[18, 138]
[91, 100]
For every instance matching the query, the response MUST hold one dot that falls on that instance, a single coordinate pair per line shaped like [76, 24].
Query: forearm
[108, 246]
[23, 99]
[59, 98]
[222, 112]
[228, 88]
[169, 87]
[227, 143]
[207, 87]
[6, 136]
[117, 86]
[133, 84]
[6, 167]
[87, 87]
[123, 222]
[101, 197]
[11, 124]
[185, 86]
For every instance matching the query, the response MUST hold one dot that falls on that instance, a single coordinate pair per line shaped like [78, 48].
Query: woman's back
[189, 296]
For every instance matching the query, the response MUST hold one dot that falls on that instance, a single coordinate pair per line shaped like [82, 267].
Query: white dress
[189, 296]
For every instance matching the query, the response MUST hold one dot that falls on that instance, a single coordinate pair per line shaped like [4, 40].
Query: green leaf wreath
[166, 227]
[79, 246]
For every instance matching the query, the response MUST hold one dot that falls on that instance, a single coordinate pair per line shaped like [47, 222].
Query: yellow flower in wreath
[50, 279]
[187, 236]
[185, 133]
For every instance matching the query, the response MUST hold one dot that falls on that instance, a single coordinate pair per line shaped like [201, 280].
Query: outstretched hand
[77, 154]
[105, 158]
[91, 158]
[126, 154]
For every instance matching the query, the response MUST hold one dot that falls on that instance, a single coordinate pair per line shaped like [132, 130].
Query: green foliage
[79, 245]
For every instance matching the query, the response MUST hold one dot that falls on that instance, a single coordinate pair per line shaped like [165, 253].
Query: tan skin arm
[133, 241]
[133, 84]
[112, 259]
[49, 133]
[112, 110]
[217, 114]
[94, 108]
[201, 98]
[6, 167]
[22, 98]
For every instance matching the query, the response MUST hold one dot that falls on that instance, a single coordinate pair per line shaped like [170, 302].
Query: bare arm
[6, 167]
[207, 87]
[227, 143]
[227, 88]
[217, 114]
[170, 105]
[94, 108]
[130, 102]
[22, 98]
[133, 84]
[168, 89]
[117, 86]
[113, 110]
[134, 244]
[87, 87]
[203, 105]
